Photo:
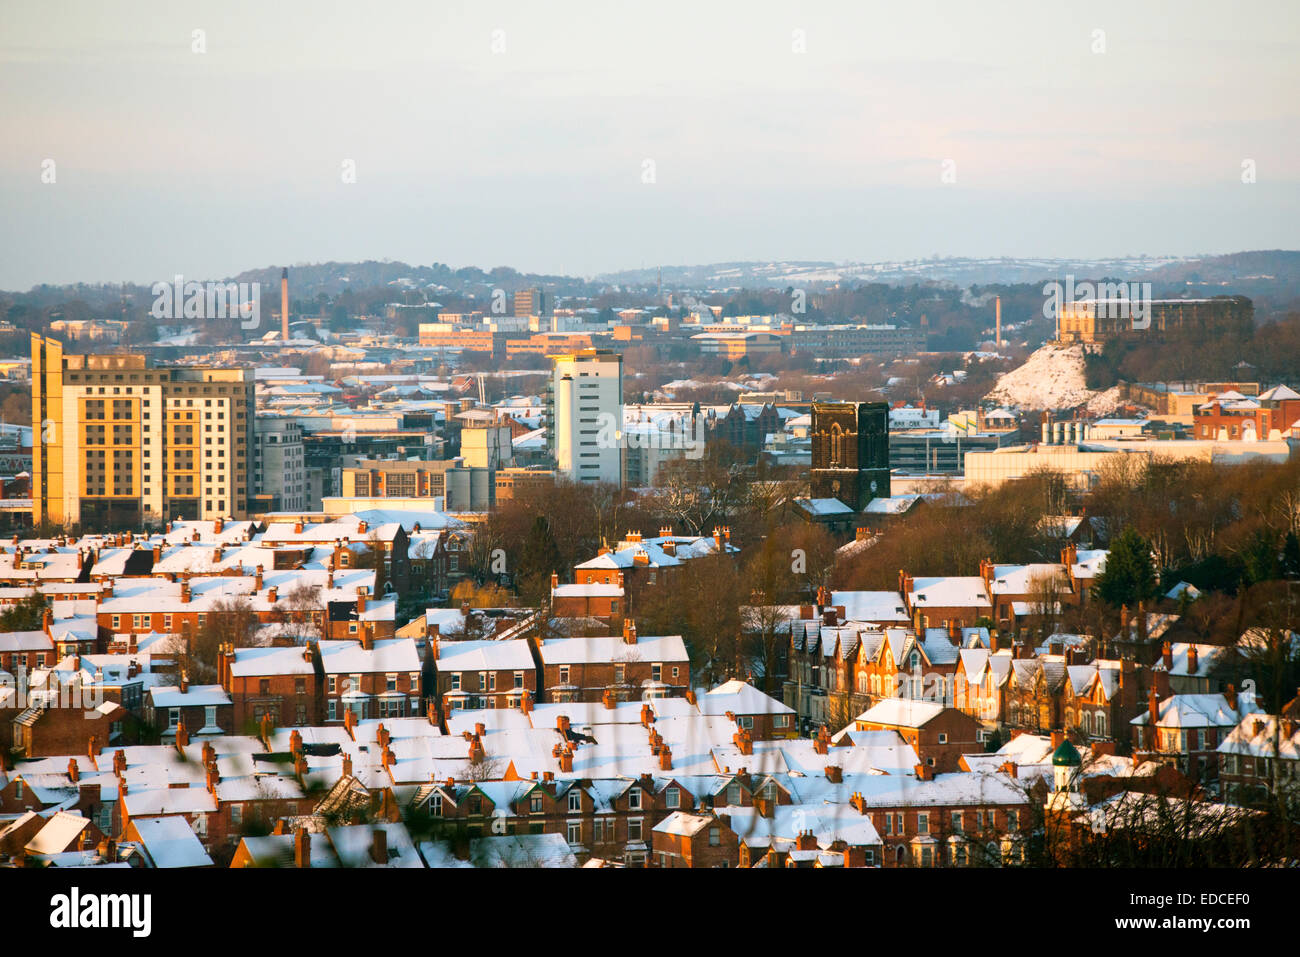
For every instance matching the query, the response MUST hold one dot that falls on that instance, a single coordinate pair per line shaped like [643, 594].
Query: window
[564, 674]
[455, 681]
[943, 737]
[574, 832]
[634, 829]
[634, 799]
[535, 804]
[575, 800]
[210, 716]
[236, 815]
[923, 823]
[715, 837]
[956, 822]
[620, 674]
[781, 721]
[746, 721]
[173, 718]
[519, 679]
[657, 672]
[733, 795]
[673, 798]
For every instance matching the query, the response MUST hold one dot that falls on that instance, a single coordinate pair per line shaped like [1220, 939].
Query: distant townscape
[808, 566]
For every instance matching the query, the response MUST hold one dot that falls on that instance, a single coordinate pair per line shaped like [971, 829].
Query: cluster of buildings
[246, 695]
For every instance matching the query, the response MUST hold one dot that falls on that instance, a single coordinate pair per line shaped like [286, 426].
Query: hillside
[1052, 378]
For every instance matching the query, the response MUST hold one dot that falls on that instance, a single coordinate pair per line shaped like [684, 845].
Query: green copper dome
[1066, 756]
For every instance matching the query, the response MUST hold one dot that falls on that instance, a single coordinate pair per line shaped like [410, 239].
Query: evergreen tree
[1130, 574]
[539, 558]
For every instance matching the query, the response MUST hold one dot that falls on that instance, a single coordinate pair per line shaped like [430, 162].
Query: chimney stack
[301, 848]
[997, 322]
[379, 846]
[284, 304]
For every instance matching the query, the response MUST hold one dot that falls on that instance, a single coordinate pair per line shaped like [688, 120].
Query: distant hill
[1277, 265]
[955, 271]
[308, 280]
[1270, 277]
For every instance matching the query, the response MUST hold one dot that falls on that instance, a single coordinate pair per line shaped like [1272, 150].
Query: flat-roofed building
[123, 442]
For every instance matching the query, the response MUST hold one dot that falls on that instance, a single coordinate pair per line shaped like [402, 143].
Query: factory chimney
[997, 310]
[284, 304]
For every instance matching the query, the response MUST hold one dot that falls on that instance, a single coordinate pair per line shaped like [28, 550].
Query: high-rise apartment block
[585, 413]
[120, 443]
[279, 464]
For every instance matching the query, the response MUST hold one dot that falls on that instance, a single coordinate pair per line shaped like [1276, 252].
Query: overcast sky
[519, 133]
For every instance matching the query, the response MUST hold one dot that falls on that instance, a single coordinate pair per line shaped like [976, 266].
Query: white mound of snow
[1051, 378]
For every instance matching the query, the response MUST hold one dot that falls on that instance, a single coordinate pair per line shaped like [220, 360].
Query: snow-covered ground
[172, 336]
[1052, 378]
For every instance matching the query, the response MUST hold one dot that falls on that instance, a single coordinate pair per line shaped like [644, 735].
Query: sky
[587, 137]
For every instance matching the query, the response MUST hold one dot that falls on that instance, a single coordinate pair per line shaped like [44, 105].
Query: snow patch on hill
[1052, 378]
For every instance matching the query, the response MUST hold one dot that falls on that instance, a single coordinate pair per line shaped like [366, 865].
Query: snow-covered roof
[901, 712]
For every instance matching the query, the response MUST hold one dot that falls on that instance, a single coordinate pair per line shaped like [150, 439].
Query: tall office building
[585, 414]
[850, 452]
[120, 442]
[279, 465]
[530, 302]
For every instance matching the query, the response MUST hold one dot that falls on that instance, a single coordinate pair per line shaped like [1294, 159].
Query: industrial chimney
[997, 311]
[284, 304]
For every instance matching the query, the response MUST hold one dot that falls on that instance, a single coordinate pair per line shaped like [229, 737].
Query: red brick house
[939, 734]
[694, 840]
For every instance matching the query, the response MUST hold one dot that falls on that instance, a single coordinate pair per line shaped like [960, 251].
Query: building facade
[585, 412]
[124, 443]
[850, 452]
